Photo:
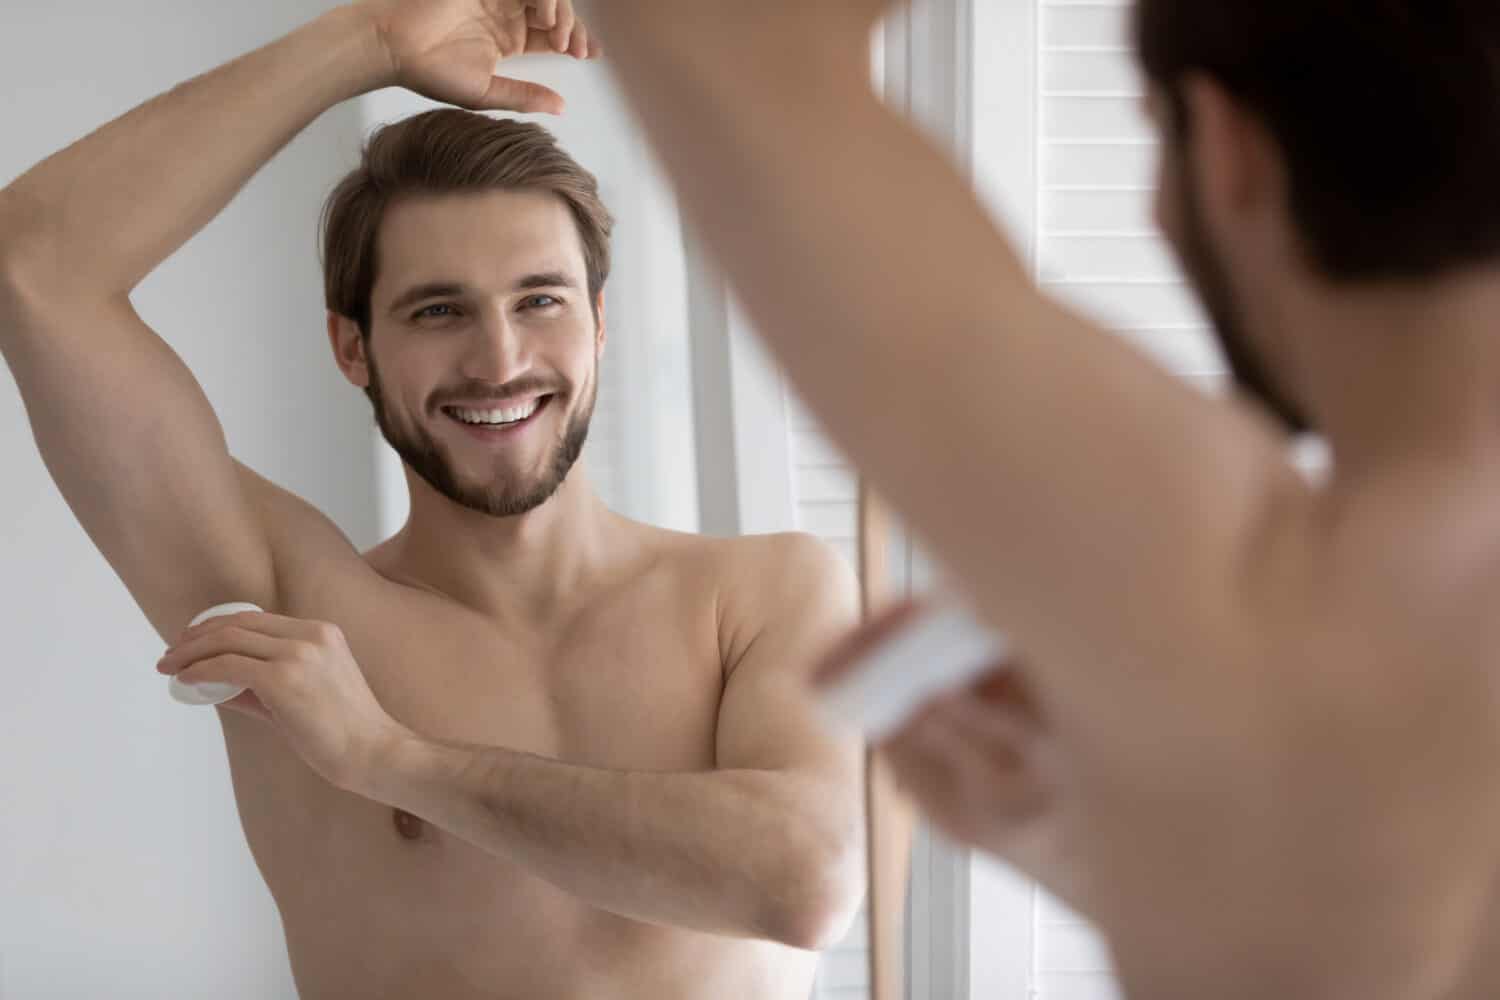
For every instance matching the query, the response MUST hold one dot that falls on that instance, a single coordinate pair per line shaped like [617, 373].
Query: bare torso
[376, 903]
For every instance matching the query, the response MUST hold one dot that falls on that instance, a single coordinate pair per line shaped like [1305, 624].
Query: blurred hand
[447, 49]
[1221, 805]
[978, 762]
[302, 678]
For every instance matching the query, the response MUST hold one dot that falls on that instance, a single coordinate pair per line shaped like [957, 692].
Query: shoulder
[792, 562]
[790, 588]
[788, 583]
[791, 558]
[796, 559]
[787, 596]
[1387, 572]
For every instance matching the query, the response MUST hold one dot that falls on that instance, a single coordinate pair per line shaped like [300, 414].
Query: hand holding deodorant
[209, 694]
[942, 649]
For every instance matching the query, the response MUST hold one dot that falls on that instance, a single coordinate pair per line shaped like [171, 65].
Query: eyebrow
[546, 279]
[430, 290]
[448, 289]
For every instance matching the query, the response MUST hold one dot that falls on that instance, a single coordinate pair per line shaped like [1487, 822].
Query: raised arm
[122, 425]
[1084, 497]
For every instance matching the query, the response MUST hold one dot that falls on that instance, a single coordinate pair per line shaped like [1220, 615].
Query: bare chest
[630, 683]
[626, 684]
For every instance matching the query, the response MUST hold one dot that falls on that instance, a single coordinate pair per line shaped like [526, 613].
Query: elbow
[10, 243]
[819, 901]
[20, 251]
[43, 262]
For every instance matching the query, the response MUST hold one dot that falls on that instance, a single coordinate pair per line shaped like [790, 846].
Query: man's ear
[1235, 157]
[602, 337]
[349, 349]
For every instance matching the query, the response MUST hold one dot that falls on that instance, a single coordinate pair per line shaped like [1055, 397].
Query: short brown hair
[449, 151]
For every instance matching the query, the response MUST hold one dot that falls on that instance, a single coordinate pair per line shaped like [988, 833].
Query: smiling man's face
[484, 348]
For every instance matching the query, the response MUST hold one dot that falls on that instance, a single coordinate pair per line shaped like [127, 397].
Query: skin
[1253, 728]
[555, 754]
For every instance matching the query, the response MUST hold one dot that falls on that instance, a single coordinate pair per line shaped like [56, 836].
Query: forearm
[103, 213]
[741, 853]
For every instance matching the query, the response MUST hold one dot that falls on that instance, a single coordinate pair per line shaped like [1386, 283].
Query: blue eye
[433, 311]
[541, 302]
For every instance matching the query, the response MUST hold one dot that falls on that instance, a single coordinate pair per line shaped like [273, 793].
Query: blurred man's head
[464, 268]
[1371, 128]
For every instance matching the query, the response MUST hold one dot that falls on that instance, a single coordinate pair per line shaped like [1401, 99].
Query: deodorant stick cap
[941, 650]
[209, 694]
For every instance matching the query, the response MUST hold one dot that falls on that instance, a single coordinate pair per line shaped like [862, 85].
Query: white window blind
[1066, 156]
[825, 488]
[1097, 243]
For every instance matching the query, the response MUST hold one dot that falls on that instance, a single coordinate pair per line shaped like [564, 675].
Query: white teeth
[510, 416]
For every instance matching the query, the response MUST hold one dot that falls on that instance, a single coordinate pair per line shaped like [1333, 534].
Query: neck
[520, 568]
[1400, 374]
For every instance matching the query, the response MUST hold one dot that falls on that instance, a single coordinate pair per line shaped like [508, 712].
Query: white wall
[123, 871]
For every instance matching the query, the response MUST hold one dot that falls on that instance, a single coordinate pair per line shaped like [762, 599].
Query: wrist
[390, 766]
[354, 36]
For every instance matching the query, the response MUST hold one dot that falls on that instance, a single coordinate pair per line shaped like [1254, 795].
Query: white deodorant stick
[209, 694]
[939, 651]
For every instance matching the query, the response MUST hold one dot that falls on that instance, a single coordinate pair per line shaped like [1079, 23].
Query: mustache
[485, 392]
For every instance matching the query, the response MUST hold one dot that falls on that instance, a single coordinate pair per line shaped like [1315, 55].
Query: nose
[497, 351]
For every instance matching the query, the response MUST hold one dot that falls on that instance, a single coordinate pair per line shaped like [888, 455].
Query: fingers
[579, 43]
[539, 41]
[579, 47]
[969, 764]
[939, 770]
[1000, 699]
[229, 668]
[1022, 770]
[257, 634]
[505, 94]
[998, 732]
[258, 621]
[544, 13]
[564, 26]
[231, 638]
[555, 19]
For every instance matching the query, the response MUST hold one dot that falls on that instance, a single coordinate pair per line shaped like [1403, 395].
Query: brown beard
[421, 453]
[1210, 279]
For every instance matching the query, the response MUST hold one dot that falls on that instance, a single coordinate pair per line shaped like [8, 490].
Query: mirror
[126, 826]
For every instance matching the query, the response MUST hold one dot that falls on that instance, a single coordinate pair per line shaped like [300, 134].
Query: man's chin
[511, 500]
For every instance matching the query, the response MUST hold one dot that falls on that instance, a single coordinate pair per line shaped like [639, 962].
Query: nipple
[410, 827]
